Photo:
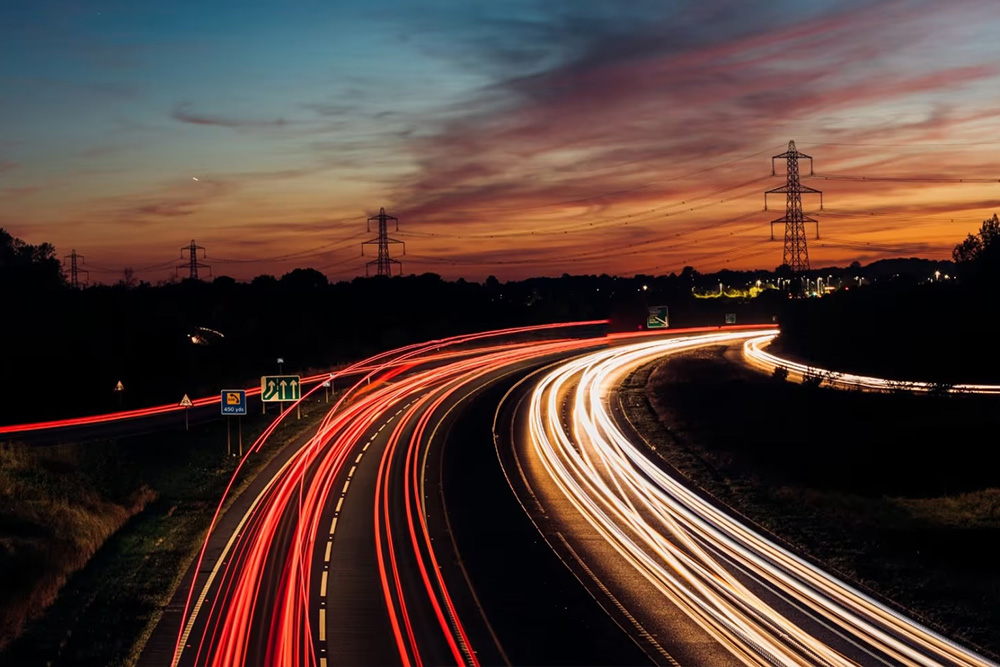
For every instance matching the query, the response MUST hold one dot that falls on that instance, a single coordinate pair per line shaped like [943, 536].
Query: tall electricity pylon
[75, 270]
[796, 252]
[192, 265]
[383, 263]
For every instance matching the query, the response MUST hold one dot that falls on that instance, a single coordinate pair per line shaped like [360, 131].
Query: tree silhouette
[978, 256]
[28, 267]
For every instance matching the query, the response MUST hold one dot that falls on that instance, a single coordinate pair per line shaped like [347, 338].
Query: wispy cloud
[184, 113]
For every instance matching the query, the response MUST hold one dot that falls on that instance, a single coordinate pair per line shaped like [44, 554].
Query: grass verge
[898, 493]
[115, 594]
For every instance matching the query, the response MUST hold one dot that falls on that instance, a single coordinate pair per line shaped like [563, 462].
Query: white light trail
[762, 602]
[753, 352]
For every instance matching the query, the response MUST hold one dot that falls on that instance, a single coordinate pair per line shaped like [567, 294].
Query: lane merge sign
[234, 402]
[657, 318]
[275, 388]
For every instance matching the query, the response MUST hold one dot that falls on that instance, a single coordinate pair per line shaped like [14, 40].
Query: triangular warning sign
[119, 387]
[186, 402]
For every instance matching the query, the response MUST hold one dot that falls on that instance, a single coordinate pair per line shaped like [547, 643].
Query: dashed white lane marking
[322, 662]
[333, 529]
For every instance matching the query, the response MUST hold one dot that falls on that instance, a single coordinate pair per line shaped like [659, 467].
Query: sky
[512, 138]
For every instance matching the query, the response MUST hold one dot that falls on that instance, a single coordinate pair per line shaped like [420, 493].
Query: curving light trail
[754, 353]
[762, 602]
[264, 583]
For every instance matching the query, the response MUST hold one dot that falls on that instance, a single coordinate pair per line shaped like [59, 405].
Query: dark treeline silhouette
[937, 330]
[64, 350]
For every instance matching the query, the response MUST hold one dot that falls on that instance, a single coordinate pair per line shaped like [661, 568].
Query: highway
[390, 536]
[334, 560]
[689, 580]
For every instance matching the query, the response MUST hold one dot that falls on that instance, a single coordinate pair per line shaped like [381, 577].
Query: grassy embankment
[95, 537]
[897, 492]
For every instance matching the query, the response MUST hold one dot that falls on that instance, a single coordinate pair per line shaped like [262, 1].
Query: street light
[280, 361]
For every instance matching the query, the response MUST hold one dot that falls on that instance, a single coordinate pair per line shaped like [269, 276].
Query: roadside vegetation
[899, 493]
[98, 535]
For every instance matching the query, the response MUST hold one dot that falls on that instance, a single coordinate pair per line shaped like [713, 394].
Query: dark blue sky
[512, 138]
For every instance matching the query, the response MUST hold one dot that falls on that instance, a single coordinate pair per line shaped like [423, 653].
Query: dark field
[898, 493]
[110, 526]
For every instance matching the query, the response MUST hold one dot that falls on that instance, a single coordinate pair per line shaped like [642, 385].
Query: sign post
[186, 404]
[657, 318]
[326, 390]
[119, 389]
[234, 402]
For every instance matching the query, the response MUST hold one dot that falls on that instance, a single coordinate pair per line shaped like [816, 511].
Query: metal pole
[229, 445]
[185, 419]
[298, 410]
[239, 429]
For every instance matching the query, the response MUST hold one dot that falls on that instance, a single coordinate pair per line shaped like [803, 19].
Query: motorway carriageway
[333, 561]
[655, 550]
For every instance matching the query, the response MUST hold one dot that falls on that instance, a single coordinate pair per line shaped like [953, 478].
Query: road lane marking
[333, 527]
[351, 473]
[329, 545]
[322, 584]
[322, 623]
[346, 484]
[339, 504]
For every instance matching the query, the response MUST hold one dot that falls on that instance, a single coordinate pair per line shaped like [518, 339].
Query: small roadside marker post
[186, 404]
[119, 389]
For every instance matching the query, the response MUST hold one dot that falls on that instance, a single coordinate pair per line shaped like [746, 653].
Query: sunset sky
[512, 137]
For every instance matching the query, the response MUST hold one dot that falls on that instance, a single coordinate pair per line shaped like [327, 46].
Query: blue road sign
[234, 402]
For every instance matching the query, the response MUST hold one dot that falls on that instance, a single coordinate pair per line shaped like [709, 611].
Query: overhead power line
[902, 179]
